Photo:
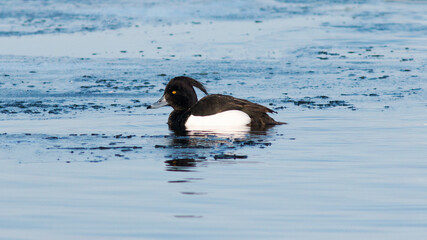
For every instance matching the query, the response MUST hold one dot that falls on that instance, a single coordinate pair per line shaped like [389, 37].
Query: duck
[212, 111]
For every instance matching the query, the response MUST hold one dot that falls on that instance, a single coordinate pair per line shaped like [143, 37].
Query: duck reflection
[181, 164]
[189, 148]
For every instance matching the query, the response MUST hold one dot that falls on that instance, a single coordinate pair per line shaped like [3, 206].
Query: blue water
[82, 158]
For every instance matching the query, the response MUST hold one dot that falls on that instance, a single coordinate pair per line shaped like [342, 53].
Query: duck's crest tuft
[193, 82]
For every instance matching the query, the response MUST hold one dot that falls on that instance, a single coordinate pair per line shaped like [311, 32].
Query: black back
[217, 103]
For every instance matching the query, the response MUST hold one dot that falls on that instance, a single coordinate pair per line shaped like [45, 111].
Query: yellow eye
[173, 92]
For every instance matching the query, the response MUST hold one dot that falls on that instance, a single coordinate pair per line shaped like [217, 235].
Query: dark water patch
[178, 181]
[181, 165]
[384, 27]
[106, 85]
[182, 162]
[97, 160]
[52, 138]
[44, 107]
[322, 97]
[324, 55]
[376, 56]
[77, 147]
[230, 156]
[181, 146]
[124, 136]
[371, 95]
[51, 105]
[193, 193]
[253, 143]
[188, 216]
[319, 102]
[126, 148]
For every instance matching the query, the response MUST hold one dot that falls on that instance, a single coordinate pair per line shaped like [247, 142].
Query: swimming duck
[213, 110]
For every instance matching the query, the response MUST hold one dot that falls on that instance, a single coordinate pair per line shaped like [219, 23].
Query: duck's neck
[177, 118]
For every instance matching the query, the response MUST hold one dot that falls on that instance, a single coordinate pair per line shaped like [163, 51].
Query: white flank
[232, 120]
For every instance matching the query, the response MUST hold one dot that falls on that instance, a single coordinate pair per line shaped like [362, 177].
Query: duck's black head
[179, 94]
